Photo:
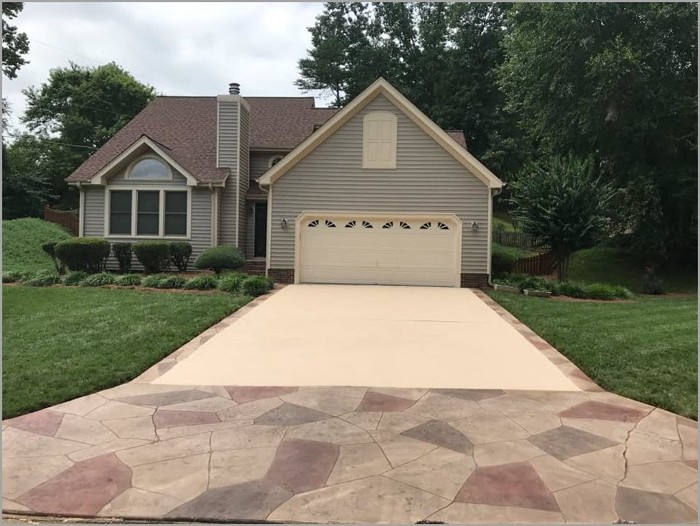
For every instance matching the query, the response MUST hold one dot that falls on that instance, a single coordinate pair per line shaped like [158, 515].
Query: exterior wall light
[283, 224]
[475, 226]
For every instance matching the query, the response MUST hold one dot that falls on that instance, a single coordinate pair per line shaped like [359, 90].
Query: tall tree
[77, 110]
[26, 183]
[617, 80]
[14, 44]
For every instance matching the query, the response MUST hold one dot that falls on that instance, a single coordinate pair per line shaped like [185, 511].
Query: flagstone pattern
[352, 454]
[444, 455]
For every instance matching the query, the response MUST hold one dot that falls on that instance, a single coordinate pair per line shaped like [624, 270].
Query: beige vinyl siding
[228, 158]
[426, 180]
[200, 227]
[260, 162]
[243, 177]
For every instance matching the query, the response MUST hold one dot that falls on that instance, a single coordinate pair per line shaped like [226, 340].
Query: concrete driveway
[329, 335]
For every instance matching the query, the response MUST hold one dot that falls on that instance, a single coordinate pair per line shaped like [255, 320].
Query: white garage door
[383, 250]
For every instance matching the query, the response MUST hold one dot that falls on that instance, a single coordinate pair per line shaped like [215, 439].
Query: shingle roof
[186, 128]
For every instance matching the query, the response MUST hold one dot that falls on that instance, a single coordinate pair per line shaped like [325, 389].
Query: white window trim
[380, 116]
[127, 174]
[134, 212]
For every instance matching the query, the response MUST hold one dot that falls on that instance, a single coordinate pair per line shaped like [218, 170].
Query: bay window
[148, 213]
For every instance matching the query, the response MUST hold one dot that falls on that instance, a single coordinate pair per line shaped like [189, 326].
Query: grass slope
[62, 343]
[645, 349]
[21, 243]
[612, 265]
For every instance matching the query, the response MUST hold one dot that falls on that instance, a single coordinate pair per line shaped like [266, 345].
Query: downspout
[494, 193]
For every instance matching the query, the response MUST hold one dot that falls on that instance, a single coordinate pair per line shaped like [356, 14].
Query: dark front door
[260, 230]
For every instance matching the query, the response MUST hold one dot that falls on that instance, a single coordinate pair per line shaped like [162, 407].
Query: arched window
[150, 168]
[379, 140]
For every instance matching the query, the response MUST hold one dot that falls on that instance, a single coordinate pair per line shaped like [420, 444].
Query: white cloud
[179, 48]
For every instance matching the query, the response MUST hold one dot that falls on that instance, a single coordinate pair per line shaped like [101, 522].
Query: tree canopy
[14, 44]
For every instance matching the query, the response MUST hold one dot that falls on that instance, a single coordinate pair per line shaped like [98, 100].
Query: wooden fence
[538, 265]
[68, 219]
[514, 239]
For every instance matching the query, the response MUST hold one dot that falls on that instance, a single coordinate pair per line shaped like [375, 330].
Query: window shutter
[379, 140]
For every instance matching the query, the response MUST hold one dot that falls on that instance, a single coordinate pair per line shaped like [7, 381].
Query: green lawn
[61, 343]
[21, 244]
[645, 349]
[612, 265]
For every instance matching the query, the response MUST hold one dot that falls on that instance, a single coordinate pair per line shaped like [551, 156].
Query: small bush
[502, 260]
[232, 282]
[202, 282]
[220, 258]
[180, 252]
[122, 251]
[256, 285]
[45, 278]
[87, 254]
[153, 255]
[128, 280]
[153, 280]
[535, 283]
[12, 277]
[98, 280]
[171, 282]
[573, 290]
[50, 248]
[652, 283]
[73, 279]
[603, 291]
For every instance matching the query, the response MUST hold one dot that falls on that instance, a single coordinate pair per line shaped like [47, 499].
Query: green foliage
[180, 252]
[618, 80]
[231, 282]
[652, 283]
[26, 182]
[88, 254]
[223, 257]
[122, 251]
[603, 291]
[538, 283]
[164, 281]
[98, 280]
[14, 44]
[22, 240]
[43, 278]
[76, 111]
[74, 278]
[50, 249]
[503, 259]
[256, 285]
[11, 277]
[563, 203]
[202, 282]
[128, 280]
[573, 290]
[153, 255]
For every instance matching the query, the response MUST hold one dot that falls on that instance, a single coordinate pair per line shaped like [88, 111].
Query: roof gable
[382, 87]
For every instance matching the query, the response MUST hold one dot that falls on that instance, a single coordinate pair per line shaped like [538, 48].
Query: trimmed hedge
[153, 255]
[73, 279]
[180, 252]
[223, 257]
[256, 285]
[87, 254]
[98, 280]
[50, 248]
[202, 282]
[232, 282]
[128, 280]
[122, 251]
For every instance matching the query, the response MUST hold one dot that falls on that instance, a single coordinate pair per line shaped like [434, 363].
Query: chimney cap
[234, 88]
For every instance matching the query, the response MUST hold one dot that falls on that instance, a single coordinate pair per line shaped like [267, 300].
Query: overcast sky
[179, 48]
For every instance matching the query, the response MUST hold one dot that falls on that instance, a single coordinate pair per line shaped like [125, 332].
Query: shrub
[603, 291]
[220, 258]
[534, 283]
[153, 280]
[122, 251]
[50, 248]
[256, 285]
[180, 252]
[98, 280]
[44, 278]
[153, 255]
[171, 282]
[202, 282]
[652, 283]
[232, 282]
[11, 277]
[573, 290]
[128, 280]
[87, 254]
[502, 260]
[73, 279]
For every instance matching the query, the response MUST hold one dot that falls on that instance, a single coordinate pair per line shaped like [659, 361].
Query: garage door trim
[306, 214]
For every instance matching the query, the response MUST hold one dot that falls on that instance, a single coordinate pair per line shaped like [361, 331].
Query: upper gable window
[150, 168]
[379, 140]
